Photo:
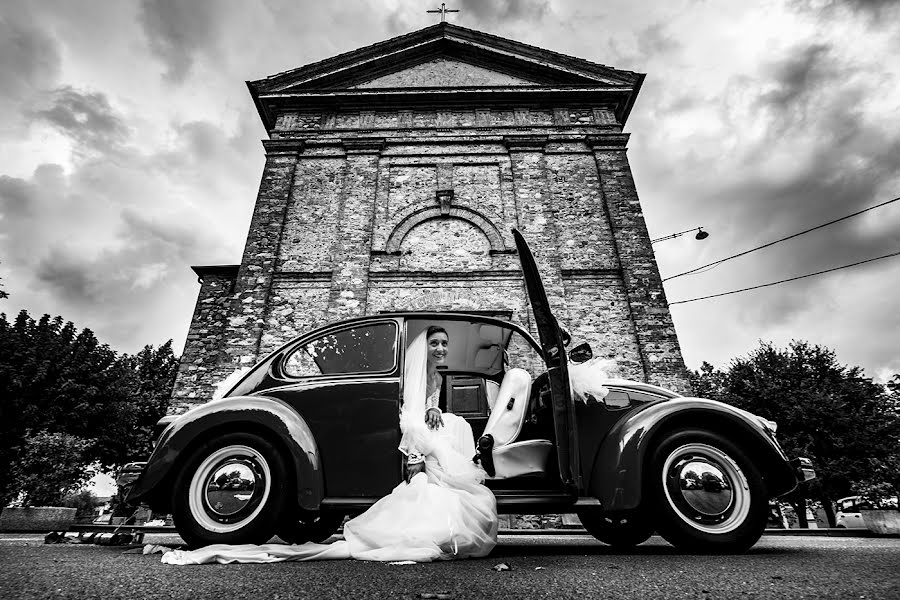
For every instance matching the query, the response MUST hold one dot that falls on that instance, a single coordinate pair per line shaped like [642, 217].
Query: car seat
[499, 453]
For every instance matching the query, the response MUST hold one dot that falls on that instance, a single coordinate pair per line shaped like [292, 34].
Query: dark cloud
[475, 14]
[180, 239]
[70, 277]
[875, 10]
[107, 241]
[14, 194]
[29, 59]
[654, 41]
[489, 13]
[842, 158]
[799, 76]
[178, 32]
[87, 118]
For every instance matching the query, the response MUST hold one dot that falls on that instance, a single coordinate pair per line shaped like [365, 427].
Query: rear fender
[617, 473]
[268, 417]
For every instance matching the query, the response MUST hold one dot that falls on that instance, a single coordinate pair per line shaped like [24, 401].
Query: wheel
[617, 530]
[705, 493]
[231, 491]
[317, 529]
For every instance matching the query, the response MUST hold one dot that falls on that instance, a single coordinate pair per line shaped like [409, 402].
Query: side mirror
[566, 337]
[581, 353]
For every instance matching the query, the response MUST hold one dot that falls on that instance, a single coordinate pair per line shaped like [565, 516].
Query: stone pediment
[405, 62]
[446, 65]
[444, 72]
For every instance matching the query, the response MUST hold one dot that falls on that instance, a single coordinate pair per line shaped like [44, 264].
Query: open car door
[552, 343]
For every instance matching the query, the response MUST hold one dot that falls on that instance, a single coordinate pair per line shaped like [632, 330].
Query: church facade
[394, 175]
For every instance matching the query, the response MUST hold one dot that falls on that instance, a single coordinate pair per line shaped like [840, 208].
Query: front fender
[258, 414]
[617, 473]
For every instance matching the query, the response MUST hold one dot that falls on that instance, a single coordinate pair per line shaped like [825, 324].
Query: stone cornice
[405, 276]
[284, 147]
[615, 97]
[590, 273]
[302, 275]
[525, 143]
[607, 141]
[363, 145]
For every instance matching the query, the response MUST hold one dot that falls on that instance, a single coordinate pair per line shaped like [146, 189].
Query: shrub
[50, 466]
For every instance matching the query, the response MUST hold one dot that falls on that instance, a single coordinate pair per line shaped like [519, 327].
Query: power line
[756, 287]
[701, 267]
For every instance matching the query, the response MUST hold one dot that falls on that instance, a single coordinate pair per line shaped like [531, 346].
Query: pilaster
[352, 247]
[535, 211]
[246, 321]
[657, 342]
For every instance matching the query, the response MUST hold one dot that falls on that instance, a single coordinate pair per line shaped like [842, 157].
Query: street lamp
[701, 235]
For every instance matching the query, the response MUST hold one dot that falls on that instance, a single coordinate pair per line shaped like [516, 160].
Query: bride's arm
[432, 412]
[415, 464]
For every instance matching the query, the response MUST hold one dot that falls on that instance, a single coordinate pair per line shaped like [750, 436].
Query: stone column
[657, 341]
[246, 317]
[352, 249]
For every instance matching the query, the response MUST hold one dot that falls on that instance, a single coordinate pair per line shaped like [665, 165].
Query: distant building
[393, 177]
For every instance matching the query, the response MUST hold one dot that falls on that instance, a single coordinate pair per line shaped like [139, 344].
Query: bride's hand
[413, 470]
[433, 418]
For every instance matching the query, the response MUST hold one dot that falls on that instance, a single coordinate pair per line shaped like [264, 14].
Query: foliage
[84, 500]
[882, 487]
[49, 466]
[56, 379]
[878, 496]
[825, 411]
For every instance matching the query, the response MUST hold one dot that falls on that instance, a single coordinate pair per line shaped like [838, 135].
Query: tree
[56, 379]
[49, 467]
[151, 376]
[830, 413]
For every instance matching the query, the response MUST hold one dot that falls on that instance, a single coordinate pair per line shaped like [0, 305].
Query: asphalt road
[542, 566]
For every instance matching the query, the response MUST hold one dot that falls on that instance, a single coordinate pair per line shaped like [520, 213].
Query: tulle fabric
[587, 379]
[433, 517]
[444, 513]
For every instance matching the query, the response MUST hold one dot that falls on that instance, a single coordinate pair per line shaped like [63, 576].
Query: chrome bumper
[803, 469]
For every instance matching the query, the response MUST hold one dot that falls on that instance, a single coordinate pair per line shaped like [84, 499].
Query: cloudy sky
[130, 149]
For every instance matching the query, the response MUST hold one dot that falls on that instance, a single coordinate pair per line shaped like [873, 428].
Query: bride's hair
[433, 329]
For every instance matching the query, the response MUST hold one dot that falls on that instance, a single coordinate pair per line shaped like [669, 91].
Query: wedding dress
[444, 513]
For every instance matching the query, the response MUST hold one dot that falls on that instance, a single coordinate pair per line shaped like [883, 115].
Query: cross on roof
[443, 10]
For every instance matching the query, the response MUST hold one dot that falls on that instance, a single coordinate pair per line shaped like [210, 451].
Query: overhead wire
[756, 287]
[718, 262]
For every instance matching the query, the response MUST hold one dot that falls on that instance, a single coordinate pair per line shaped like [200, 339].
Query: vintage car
[310, 435]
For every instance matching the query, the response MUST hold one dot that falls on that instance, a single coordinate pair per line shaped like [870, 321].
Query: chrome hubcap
[229, 488]
[706, 488]
[703, 486]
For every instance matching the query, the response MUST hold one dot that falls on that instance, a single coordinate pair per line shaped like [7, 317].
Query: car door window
[370, 348]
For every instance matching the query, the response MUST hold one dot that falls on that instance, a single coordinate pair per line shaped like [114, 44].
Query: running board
[541, 499]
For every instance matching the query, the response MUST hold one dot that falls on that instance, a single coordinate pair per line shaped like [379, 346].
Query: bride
[442, 511]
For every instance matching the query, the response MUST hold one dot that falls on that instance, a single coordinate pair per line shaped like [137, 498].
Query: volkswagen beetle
[310, 435]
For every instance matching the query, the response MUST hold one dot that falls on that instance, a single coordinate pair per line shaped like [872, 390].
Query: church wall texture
[363, 209]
